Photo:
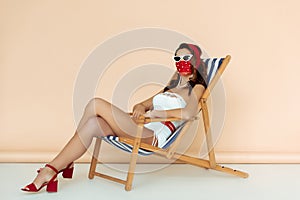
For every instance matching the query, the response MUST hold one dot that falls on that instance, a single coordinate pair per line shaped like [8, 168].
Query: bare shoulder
[196, 94]
[198, 90]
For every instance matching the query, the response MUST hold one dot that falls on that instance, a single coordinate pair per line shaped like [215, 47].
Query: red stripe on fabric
[170, 125]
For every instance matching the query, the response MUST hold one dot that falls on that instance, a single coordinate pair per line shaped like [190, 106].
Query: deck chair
[215, 67]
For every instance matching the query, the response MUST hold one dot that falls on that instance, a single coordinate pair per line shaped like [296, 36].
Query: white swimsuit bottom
[162, 130]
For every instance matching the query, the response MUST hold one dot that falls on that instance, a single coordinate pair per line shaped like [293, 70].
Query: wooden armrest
[145, 120]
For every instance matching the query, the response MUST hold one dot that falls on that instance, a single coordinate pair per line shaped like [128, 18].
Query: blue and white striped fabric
[114, 140]
[212, 65]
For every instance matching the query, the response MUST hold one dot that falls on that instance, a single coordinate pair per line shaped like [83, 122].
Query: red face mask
[184, 67]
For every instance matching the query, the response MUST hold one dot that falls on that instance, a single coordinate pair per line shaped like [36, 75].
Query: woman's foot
[67, 172]
[46, 176]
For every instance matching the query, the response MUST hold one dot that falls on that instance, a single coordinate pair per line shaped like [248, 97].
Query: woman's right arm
[141, 108]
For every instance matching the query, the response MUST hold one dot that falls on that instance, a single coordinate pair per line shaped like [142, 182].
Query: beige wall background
[44, 43]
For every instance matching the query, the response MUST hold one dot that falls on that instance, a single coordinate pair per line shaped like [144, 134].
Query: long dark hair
[199, 75]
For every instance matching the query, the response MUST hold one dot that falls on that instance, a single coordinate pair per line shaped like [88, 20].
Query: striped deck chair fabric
[212, 65]
[114, 140]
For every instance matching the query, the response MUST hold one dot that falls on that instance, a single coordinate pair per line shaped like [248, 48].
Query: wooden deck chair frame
[170, 152]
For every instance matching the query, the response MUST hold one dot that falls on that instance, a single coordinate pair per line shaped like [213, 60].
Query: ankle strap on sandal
[53, 168]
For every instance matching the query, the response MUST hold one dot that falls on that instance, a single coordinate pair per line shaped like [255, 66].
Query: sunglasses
[183, 57]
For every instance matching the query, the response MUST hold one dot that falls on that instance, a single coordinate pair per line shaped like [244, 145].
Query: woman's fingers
[136, 114]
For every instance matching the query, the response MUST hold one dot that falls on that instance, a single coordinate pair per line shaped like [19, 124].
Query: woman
[179, 99]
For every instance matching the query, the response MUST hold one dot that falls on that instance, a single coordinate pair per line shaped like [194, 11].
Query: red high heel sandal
[67, 172]
[51, 185]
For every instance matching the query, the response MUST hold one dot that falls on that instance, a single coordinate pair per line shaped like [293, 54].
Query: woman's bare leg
[74, 149]
[100, 119]
[77, 146]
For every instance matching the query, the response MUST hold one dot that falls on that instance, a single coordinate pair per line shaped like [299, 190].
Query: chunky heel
[52, 186]
[68, 173]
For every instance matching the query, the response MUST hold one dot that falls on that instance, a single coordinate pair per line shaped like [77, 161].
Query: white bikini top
[168, 101]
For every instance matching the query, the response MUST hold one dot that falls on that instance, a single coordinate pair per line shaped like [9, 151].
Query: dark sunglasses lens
[187, 57]
[176, 58]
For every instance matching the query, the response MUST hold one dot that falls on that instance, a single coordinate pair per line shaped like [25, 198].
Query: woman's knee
[94, 104]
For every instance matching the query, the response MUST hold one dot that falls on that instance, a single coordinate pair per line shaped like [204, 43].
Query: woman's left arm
[189, 111]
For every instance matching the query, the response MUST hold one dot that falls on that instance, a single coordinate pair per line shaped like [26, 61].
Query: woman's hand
[156, 114]
[138, 110]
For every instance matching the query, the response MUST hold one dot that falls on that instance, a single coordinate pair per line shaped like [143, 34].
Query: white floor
[177, 181]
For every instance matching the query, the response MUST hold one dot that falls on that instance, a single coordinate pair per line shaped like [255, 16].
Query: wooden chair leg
[211, 153]
[206, 164]
[95, 158]
[134, 155]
